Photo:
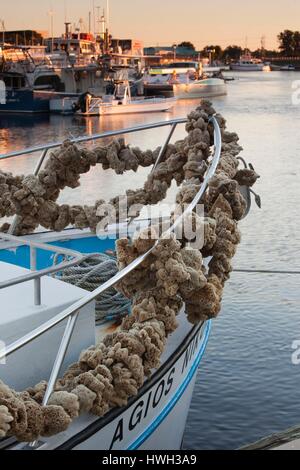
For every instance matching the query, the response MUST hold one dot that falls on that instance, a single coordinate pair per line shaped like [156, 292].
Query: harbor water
[248, 385]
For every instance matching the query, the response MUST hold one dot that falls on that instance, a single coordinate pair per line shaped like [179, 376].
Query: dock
[287, 440]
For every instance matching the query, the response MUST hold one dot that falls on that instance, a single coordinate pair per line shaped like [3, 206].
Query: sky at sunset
[164, 22]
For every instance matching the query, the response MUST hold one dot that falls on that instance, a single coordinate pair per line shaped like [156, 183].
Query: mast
[51, 14]
[107, 28]
[67, 30]
[102, 25]
[90, 22]
[3, 30]
[65, 11]
[94, 18]
[107, 15]
[98, 22]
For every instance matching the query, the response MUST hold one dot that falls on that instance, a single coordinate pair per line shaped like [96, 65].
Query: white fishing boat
[121, 102]
[45, 326]
[247, 64]
[206, 88]
[189, 84]
[45, 86]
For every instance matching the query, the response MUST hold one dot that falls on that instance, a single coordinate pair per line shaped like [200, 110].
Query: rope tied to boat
[267, 271]
[92, 273]
[109, 374]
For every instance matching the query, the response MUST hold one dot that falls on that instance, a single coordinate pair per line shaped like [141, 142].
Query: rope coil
[92, 273]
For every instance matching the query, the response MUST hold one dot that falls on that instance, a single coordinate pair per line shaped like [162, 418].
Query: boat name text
[190, 352]
[141, 410]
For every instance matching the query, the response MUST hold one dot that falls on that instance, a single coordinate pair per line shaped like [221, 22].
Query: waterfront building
[27, 37]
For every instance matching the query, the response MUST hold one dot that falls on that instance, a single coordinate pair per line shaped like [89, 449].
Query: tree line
[288, 46]
[289, 43]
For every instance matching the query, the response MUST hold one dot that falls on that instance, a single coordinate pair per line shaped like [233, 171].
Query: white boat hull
[155, 419]
[201, 89]
[63, 105]
[288, 68]
[247, 67]
[138, 106]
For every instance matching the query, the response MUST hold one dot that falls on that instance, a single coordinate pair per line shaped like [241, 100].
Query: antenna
[102, 25]
[98, 20]
[81, 25]
[94, 18]
[107, 14]
[66, 10]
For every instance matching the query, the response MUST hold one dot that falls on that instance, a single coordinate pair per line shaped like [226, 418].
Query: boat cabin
[13, 80]
[77, 46]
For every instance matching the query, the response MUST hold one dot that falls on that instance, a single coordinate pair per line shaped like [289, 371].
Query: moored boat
[162, 401]
[205, 88]
[121, 102]
[31, 86]
[19, 97]
[187, 84]
[247, 64]
[133, 389]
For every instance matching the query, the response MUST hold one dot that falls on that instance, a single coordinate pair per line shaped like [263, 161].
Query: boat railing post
[40, 162]
[16, 219]
[63, 348]
[37, 282]
[159, 158]
[164, 147]
[60, 357]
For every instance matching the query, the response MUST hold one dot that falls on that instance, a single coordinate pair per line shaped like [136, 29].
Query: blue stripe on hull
[169, 407]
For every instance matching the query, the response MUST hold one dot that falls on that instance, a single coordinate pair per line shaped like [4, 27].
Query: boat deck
[287, 440]
[19, 316]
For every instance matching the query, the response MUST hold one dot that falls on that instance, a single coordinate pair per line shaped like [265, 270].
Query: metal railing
[45, 148]
[95, 103]
[72, 312]
[36, 275]
[90, 138]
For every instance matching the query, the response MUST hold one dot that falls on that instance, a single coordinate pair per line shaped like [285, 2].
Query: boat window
[16, 82]
[49, 82]
[181, 65]
[7, 81]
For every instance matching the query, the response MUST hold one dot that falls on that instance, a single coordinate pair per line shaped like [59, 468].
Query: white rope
[265, 271]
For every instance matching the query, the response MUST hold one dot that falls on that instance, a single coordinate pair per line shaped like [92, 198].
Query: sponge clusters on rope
[174, 274]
